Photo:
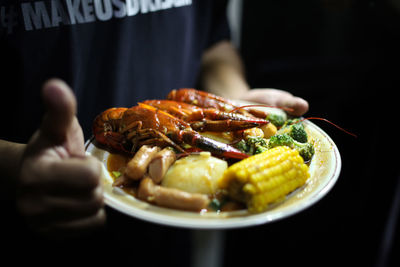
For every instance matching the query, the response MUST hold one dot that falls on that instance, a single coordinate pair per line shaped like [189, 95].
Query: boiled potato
[269, 130]
[195, 173]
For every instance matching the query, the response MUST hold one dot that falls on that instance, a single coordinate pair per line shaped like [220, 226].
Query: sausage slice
[171, 197]
[160, 164]
[137, 166]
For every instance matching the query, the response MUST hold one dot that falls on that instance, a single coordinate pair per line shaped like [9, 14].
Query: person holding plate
[103, 53]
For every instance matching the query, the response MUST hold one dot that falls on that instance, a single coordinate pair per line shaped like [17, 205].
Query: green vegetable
[257, 144]
[215, 204]
[254, 140]
[280, 140]
[259, 149]
[242, 146]
[306, 150]
[252, 145]
[116, 174]
[295, 129]
[275, 119]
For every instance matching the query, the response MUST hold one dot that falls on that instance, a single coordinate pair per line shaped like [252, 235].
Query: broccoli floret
[259, 149]
[306, 150]
[256, 144]
[252, 145]
[277, 120]
[280, 140]
[253, 140]
[295, 129]
[242, 146]
[298, 133]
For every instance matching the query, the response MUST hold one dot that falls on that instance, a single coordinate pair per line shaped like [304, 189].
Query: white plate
[324, 172]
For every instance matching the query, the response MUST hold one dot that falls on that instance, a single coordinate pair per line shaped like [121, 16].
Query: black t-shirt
[111, 52]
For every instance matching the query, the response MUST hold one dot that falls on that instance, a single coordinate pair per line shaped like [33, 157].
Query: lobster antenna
[291, 110]
[264, 106]
[322, 119]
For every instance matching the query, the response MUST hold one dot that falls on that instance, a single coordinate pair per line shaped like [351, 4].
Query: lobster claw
[223, 125]
[216, 148]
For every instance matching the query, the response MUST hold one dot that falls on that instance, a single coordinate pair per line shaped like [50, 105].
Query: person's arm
[56, 188]
[10, 158]
[222, 73]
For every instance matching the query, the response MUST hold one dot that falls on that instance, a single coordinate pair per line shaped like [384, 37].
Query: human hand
[277, 98]
[59, 189]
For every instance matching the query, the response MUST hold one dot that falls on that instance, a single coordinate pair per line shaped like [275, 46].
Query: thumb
[60, 107]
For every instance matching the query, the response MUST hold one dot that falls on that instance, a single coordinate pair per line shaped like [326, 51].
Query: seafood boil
[196, 151]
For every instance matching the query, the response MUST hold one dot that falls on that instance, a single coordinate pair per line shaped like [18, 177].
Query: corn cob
[265, 178]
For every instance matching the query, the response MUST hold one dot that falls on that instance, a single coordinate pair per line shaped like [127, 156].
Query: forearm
[10, 157]
[222, 71]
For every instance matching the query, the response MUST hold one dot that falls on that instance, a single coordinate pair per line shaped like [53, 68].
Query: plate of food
[196, 160]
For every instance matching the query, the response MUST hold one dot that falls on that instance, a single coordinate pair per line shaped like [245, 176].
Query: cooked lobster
[206, 119]
[170, 123]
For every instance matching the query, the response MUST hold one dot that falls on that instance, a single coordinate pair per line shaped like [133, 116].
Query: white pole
[207, 248]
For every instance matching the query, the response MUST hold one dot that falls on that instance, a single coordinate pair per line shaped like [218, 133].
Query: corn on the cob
[265, 178]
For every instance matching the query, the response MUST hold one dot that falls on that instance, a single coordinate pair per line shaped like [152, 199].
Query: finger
[60, 106]
[71, 176]
[278, 98]
[62, 208]
[44, 210]
[74, 228]
[297, 105]
[300, 106]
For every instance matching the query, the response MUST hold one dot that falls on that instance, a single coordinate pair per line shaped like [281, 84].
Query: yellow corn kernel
[265, 178]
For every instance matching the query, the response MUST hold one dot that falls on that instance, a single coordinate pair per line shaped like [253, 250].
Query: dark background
[342, 56]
